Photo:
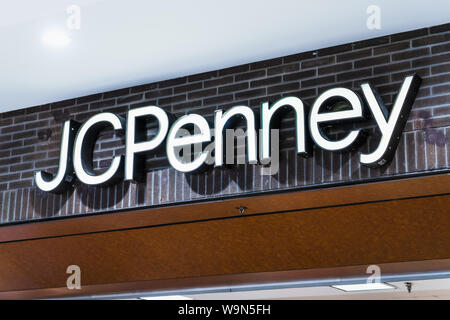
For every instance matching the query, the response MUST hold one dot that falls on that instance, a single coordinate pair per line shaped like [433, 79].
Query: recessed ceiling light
[56, 38]
[174, 297]
[364, 287]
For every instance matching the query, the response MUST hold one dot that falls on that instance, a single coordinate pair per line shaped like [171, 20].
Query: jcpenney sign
[78, 140]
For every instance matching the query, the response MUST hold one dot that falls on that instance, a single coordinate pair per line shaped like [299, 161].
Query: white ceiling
[435, 289]
[125, 43]
[425, 289]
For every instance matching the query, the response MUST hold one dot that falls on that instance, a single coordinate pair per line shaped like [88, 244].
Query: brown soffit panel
[230, 280]
[301, 200]
[393, 231]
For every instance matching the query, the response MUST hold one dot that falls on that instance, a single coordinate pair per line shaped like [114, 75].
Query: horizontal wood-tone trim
[394, 231]
[302, 200]
[230, 280]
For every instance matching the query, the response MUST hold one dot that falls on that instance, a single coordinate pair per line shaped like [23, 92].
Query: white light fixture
[56, 38]
[174, 297]
[364, 287]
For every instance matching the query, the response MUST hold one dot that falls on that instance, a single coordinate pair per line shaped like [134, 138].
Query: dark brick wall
[29, 138]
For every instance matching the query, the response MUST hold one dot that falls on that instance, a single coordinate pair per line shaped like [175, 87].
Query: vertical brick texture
[29, 138]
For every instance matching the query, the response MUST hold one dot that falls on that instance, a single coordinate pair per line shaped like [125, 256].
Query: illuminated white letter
[267, 114]
[224, 121]
[84, 149]
[135, 134]
[316, 118]
[391, 126]
[64, 178]
[174, 141]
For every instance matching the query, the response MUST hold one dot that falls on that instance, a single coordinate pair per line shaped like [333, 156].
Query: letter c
[84, 148]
